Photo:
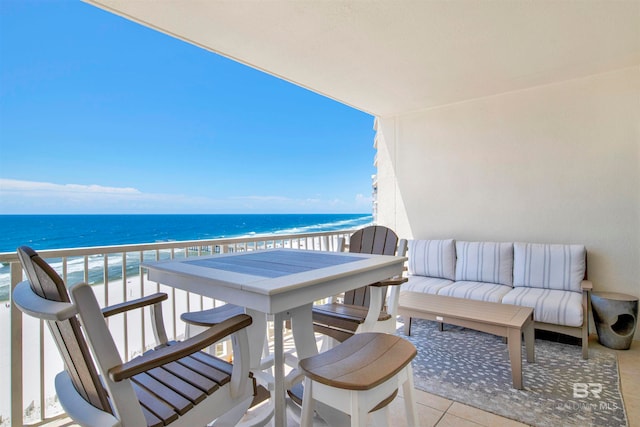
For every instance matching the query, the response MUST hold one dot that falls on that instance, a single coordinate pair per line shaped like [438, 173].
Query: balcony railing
[28, 368]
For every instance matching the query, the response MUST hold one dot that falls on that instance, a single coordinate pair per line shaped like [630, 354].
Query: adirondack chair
[365, 309]
[172, 384]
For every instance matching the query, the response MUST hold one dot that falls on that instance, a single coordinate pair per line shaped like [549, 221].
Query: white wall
[552, 164]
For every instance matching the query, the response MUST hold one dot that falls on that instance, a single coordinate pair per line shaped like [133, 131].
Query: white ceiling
[391, 57]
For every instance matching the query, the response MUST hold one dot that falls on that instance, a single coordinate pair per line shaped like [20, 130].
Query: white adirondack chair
[174, 384]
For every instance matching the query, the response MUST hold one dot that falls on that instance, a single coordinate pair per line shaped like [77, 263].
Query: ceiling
[390, 57]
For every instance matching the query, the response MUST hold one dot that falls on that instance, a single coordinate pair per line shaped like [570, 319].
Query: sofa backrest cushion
[432, 258]
[545, 266]
[489, 262]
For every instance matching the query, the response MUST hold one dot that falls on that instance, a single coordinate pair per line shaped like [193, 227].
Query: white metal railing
[27, 378]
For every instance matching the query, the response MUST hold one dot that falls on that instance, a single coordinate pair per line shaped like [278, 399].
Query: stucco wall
[553, 164]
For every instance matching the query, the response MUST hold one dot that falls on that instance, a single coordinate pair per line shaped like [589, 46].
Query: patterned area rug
[561, 389]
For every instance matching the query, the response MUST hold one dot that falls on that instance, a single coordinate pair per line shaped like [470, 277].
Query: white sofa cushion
[432, 258]
[485, 262]
[549, 305]
[480, 291]
[560, 267]
[424, 284]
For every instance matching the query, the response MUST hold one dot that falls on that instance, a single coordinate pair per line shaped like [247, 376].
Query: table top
[261, 278]
[483, 311]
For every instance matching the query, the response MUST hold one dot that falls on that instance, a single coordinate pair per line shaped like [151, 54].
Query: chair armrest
[182, 349]
[391, 282]
[133, 304]
[34, 305]
[586, 285]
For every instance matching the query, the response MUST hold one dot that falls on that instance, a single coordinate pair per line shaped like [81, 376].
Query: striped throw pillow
[489, 262]
[544, 266]
[432, 258]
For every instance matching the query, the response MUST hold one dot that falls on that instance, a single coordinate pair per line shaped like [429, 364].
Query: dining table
[283, 283]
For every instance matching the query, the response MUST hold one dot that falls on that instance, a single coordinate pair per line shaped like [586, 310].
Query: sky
[102, 115]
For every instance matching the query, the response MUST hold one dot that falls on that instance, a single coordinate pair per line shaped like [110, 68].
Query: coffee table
[505, 320]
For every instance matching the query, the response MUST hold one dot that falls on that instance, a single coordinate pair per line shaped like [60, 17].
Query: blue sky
[102, 115]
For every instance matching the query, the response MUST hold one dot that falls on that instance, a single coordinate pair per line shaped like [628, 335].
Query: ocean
[70, 231]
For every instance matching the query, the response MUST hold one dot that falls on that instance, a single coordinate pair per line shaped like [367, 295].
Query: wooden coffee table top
[483, 311]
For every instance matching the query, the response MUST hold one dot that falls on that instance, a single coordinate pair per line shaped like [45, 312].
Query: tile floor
[435, 411]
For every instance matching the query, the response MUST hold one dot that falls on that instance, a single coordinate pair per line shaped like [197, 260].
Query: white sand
[53, 362]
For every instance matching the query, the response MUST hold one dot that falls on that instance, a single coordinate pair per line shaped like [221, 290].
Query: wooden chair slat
[159, 408]
[214, 362]
[357, 297]
[179, 385]
[390, 244]
[338, 322]
[366, 242]
[337, 334]
[354, 313]
[219, 377]
[210, 360]
[151, 419]
[178, 402]
[355, 242]
[75, 353]
[192, 377]
[379, 243]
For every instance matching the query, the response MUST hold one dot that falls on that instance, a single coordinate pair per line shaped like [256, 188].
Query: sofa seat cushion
[489, 262]
[549, 305]
[560, 267]
[432, 258]
[427, 285]
[480, 291]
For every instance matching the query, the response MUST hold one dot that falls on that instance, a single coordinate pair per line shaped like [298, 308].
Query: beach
[53, 363]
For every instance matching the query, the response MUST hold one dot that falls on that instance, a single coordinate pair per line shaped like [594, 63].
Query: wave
[311, 228]
[329, 226]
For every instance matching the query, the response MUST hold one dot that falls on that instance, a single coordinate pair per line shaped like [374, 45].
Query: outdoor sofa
[550, 278]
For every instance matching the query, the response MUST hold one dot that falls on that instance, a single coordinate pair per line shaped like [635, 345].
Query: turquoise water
[69, 231]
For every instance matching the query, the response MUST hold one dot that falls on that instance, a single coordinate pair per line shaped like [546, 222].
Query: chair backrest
[377, 240]
[47, 284]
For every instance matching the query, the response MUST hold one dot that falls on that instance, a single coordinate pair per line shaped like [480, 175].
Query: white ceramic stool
[360, 375]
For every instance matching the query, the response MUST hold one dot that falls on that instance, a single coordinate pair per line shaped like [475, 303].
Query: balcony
[32, 362]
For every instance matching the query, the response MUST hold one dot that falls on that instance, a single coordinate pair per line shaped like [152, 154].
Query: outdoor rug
[561, 389]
